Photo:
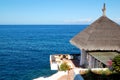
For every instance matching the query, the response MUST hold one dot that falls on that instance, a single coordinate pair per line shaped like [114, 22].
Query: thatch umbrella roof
[103, 34]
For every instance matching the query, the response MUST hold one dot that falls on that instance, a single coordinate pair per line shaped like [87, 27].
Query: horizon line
[43, 24]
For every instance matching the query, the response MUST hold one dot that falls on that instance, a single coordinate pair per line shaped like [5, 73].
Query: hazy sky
[56, 11]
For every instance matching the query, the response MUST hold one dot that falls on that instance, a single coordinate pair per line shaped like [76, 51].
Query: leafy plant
[116, 64]
[64, 67]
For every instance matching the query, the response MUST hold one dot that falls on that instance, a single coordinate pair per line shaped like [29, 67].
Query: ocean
[25, 49]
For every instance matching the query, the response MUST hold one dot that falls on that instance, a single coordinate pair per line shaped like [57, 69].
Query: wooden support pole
[83, 57]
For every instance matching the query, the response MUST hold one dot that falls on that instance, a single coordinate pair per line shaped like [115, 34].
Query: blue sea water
[25, 49]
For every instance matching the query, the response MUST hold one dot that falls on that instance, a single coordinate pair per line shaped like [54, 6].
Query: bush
[116, 64]
[93, 76]
[90, 75]
[64, 67]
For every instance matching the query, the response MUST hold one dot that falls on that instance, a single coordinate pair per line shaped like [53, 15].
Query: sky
[56, 11]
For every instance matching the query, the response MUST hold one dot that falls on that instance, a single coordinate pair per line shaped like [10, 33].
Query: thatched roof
[103, 34]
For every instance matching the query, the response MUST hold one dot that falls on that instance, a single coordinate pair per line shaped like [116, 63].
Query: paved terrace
[72, 60]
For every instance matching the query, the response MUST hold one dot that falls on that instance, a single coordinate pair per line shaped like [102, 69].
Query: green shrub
[116, 64]
[64, 67]
[89, 75]
[104, 75]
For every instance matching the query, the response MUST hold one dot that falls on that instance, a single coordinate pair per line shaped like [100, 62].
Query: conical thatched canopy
[103, 34]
